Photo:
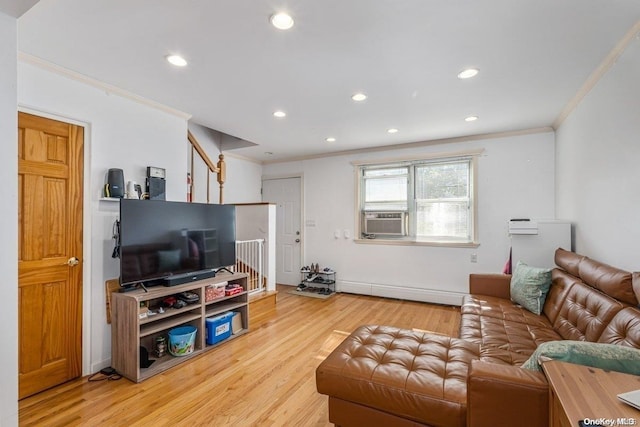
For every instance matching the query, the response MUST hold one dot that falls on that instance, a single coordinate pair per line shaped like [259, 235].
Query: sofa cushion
[561, 282]
[568, 261]
[499, 308]
[585, 313]
[414, 375]
[504, 341]
[624, 329]
[529, 286]
[597, 355]
[610, 280]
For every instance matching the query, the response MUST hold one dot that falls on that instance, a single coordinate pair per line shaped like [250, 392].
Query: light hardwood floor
[263, 378]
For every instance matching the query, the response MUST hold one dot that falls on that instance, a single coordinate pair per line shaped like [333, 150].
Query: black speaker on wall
[115, 183]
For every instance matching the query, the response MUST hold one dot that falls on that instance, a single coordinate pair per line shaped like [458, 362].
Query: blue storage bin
[219, 327]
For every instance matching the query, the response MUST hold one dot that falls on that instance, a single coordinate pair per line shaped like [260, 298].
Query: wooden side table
[579, 392]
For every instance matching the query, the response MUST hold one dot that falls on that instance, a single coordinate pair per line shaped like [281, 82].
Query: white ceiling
[16, 8]
[533, 56]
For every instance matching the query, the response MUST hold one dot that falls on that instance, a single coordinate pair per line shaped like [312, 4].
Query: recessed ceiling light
[359, 97]
[268, 153]
[331, 139]
[281, 21]
[279, 114]
[392, 130]
[471, 119]
[468, 73]
[177, 60]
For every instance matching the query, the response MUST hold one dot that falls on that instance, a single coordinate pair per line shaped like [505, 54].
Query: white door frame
[88, 365]
[299, 175]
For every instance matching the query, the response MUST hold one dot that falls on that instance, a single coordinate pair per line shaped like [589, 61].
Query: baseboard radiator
[400, 292]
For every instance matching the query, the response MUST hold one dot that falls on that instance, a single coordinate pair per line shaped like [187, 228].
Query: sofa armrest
[501, 395]
[493, 285]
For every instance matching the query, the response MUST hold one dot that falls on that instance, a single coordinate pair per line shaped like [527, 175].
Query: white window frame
[411, 238]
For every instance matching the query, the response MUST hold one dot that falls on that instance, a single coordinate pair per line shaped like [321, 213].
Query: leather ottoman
[391, 376]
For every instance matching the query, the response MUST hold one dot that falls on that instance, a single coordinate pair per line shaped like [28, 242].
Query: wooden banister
[219, 169]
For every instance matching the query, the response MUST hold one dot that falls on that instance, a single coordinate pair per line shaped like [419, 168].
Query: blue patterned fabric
[610, 357]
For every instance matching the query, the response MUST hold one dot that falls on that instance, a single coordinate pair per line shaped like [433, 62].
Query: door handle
[73, 261]
[297, 240]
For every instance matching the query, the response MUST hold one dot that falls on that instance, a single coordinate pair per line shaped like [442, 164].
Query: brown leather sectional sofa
[386, 376]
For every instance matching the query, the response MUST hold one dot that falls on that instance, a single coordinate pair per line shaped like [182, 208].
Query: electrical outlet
[347, 234]
[474, 257]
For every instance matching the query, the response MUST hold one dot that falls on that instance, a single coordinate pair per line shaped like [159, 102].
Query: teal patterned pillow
[529, 286]
[611, 357]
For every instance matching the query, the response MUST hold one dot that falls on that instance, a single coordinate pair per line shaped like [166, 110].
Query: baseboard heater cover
[401, 292]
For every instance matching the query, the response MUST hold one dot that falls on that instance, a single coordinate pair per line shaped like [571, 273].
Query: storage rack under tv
[129, 331]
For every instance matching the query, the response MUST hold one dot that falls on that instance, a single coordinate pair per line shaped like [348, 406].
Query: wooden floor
[263, 378]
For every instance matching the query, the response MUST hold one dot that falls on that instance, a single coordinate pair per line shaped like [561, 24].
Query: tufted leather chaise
[387, 376]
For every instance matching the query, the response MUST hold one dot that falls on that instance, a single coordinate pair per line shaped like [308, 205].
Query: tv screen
[161, 240]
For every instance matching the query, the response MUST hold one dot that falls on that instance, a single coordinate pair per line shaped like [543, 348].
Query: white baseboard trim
[400, 292]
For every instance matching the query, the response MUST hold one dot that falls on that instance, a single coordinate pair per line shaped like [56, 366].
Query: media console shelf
[130, 331]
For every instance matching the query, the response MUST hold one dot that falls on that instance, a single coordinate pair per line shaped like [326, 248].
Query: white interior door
[286, 194]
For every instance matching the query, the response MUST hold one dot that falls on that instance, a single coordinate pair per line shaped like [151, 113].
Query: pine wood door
[50, 176]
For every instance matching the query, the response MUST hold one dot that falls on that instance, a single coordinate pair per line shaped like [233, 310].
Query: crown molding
[417, 144]
[240, 157]
[597, 74]
[109, 89]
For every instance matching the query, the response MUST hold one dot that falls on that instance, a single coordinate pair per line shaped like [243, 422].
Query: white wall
[515, 179]
[120, 133]
[8, 225]
[597, 174]
[125, 134]
[258, 221]
[242, 183]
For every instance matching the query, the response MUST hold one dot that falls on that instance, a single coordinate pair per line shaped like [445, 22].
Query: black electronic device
[145, 362]
[170, 243]
[156, 188]
[108, 371]
[156, 185]
[115, 183]
[179, 279]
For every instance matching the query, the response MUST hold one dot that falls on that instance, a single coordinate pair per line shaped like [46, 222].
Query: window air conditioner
[385, 223]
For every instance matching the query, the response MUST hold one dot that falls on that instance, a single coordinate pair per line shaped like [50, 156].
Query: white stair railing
[250, 260]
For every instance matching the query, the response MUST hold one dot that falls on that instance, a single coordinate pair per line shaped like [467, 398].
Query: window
[429, 201]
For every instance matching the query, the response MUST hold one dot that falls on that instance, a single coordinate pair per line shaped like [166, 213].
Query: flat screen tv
[167, 243]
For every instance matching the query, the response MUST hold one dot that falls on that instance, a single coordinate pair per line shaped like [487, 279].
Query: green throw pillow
[529, 286]
[611, 357]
